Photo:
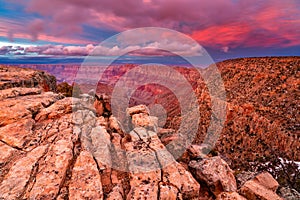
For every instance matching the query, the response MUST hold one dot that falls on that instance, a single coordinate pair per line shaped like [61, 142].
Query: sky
[65, 31]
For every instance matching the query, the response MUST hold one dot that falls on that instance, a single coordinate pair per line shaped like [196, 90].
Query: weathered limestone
[151, 166]
[15, 182]
[52, 171]
[6, 153]
[15, 92]
[27, 78]
[86, 181]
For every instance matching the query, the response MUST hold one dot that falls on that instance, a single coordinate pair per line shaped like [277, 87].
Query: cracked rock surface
[53, 147]
[56, 147]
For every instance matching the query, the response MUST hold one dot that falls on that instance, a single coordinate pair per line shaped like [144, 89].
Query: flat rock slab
[24, 107]
[15, 92]
[15, 181]
[6, 153]
[52, 171]
[86, 180]
[17, 134]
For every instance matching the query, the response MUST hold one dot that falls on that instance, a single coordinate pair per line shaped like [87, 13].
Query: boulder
[266, 179]
[216, 173]
[261, 187]
[254, 191]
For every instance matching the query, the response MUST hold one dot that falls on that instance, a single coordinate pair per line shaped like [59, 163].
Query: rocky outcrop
[153, 170]
[11, 77]
[56, 147]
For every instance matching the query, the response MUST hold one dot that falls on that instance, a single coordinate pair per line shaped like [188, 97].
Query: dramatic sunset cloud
[224, 27]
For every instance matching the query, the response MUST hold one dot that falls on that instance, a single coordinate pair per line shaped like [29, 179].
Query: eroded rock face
[86, 180]
[153, 170]
[16, 180]
[53, 147]
[26, 78]
[57, 148]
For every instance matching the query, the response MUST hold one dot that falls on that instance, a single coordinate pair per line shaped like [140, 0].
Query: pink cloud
[4, 50]
[233, 35]
[219, 23]
[17, 50]
[161, 47]
[34, 30]
[60, 50]
[36, 27]
[269, 25]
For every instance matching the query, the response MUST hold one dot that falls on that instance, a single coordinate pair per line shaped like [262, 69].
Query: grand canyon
[58, 145]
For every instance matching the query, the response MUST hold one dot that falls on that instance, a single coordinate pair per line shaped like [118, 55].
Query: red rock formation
[53, 147]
